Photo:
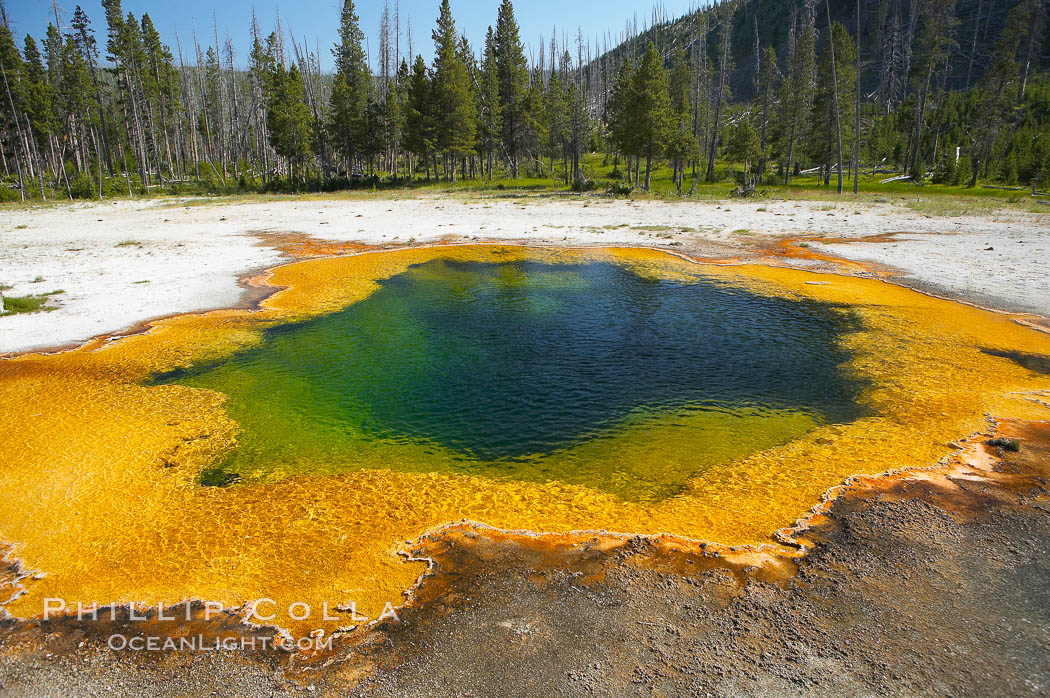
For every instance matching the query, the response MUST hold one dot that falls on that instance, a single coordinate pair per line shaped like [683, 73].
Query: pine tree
[351, 90]
[825, 125]
[53, 48]
[1033, 25]
[83, 34]
[53, 43]
[651, 107]
[579, 122]
[37, 110]
[11, 69]
[998, 90]
[395, 113]
[768, 82]
[418, 137]
[160, 85]
[532, 108]
[125, 48]
[39, 96]
[513, 84]
[620, 116]
[797, 91]
[935, 43]
[451, 97]
[556, 108]
[856, 105]
[682, 146]
[701, 93]
[300, 135]
[466, 56]
[211, 125]
[289, 118]
[490, 110]
[260, 69]
[745, 147]
[375, 133]
[76, 99]
[722, 94]
[1023, 34]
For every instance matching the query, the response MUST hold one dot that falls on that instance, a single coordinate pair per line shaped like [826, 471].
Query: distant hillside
[882, 23]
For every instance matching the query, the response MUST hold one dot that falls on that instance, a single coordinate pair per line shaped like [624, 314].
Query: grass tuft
[16, 305]
[652, 228]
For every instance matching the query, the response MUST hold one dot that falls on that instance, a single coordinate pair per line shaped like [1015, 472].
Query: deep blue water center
[510, 361]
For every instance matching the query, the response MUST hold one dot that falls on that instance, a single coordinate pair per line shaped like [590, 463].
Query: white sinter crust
[125, 262]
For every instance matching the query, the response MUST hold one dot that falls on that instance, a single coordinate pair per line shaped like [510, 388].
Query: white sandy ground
[1006, 269]
[124, 262]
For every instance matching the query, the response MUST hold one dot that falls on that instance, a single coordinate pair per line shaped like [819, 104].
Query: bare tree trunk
[700, 70]
[140, 141]
[723, 69]
[920, 117]
[204, 102]
[37, 166]
[11, 101]
[127, 177]
[648, 164]
[973, 45]
[65, 175]
[3, 158]
[54, 158]
[101, 109]
[223, 146]
[856, 131]
[98, 159]
[835, 90]
[1036, 37]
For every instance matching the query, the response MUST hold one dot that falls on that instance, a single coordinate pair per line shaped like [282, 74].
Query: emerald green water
[587, 374]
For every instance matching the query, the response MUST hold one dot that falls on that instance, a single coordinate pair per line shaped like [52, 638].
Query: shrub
[963, 171]
[9, 193]
[83, 187]
[946, 171]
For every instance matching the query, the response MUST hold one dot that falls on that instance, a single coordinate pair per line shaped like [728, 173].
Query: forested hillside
[888, 31]
[953, 91]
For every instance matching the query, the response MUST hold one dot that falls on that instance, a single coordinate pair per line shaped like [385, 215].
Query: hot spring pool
[534, 371]
[373, 399]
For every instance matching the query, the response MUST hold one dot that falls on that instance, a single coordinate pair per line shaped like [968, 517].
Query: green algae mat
[519, 369]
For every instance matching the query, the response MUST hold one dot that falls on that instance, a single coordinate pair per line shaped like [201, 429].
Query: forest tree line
[124, 114]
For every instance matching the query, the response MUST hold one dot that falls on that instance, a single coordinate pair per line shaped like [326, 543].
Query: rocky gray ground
[910, 591]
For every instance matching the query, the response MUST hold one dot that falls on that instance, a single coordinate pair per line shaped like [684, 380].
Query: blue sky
[317, 20]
